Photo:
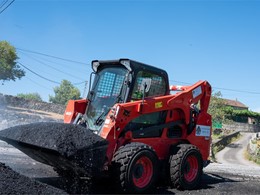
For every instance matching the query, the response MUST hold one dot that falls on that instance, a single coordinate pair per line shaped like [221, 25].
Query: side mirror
[146, 85]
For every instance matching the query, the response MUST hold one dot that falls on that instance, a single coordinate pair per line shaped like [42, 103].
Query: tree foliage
[30, 96]
[9, 69]
[217, 107]
[231, 113]
[222, 113]
[65, 92]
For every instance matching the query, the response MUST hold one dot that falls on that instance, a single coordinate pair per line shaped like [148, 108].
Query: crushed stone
[12, 182]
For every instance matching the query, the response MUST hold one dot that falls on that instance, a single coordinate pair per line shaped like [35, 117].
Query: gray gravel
[12, 182]
[20, 178]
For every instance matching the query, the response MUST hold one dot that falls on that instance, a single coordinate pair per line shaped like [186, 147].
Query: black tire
[135, 168]
[186, 167]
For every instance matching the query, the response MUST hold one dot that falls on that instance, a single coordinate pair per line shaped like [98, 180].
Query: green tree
[217, 108]
[65, 92]
[9, 69]
[30, 96]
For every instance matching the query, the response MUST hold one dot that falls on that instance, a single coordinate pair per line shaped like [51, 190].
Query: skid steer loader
[133, 127]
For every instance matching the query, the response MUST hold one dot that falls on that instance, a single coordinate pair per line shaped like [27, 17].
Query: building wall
[242, 127]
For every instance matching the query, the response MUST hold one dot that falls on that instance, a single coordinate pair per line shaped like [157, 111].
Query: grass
[221, 145]
[216, 136]
[255, 158]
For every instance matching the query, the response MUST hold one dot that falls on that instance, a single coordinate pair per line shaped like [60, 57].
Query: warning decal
[202, 130]
[158, 104]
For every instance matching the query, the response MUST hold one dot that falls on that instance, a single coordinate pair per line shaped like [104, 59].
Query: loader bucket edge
[63, 146]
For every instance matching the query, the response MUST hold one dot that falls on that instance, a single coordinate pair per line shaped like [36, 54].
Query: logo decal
[202, 130]
[196, 92]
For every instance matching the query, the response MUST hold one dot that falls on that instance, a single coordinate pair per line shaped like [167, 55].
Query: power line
[73, 61]
[240, 91]
[3, 3]
[47, 78]
[53, 61]
[234, 90]
[38, 74]
[7, 6]
[51, 56]
[34, 82]
[39, 61]
[80, 83]
[181, 82]
[226, 89]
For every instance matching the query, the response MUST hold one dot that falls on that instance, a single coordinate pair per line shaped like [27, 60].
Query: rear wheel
[186, 167]
[135, 167]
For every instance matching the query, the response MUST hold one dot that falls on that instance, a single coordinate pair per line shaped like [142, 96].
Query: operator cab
[121, 81]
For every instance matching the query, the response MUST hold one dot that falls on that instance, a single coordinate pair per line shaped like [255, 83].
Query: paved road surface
[231, 161]
[231, 175]
[234, 153]
[218, 178]
[23, 164]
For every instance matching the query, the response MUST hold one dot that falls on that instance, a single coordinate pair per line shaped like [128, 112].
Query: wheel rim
[142, 172]
[191, 168]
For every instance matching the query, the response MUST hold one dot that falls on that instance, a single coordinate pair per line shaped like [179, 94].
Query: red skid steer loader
[131, 127]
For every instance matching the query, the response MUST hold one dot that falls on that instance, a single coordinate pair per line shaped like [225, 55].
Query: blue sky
[218, 41]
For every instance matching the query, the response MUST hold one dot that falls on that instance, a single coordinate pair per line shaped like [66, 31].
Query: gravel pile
[13, 183]
[64, 146]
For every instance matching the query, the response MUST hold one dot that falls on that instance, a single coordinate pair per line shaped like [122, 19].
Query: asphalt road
[232, 161]
[234, 153]
[231, 175]
[218, 178]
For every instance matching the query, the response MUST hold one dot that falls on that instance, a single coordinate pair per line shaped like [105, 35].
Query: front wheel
[135, 168]
[186, 167]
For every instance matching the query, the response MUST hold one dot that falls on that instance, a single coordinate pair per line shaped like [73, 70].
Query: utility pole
[84, 95]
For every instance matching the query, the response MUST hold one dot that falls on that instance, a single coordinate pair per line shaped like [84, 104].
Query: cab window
[151, 84]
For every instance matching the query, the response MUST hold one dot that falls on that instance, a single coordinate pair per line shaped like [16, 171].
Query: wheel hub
[138, 171]
[191, 168]
[187, 167]
[142, 172]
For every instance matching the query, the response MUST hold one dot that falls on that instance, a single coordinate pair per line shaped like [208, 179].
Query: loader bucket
[63, 146]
